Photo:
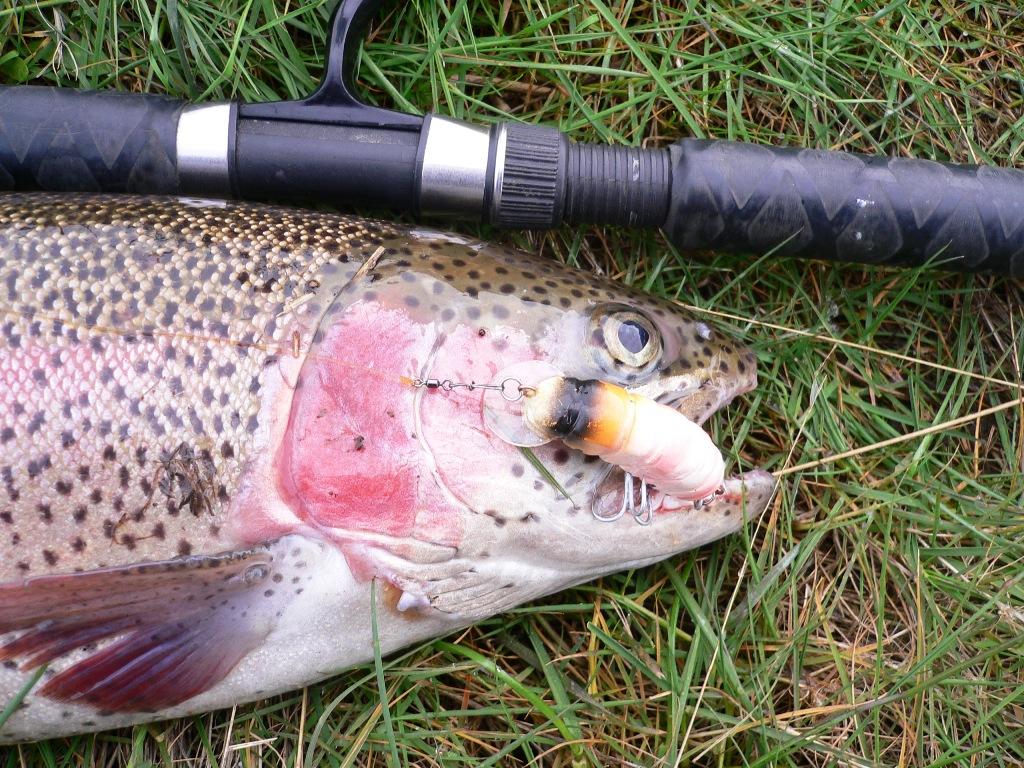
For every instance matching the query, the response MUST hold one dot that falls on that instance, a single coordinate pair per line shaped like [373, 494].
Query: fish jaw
[674, 530]
[560, 551]
[496, 569]
[679, 524]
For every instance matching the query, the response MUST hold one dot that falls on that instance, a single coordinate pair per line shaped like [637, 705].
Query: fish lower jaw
[751, 489]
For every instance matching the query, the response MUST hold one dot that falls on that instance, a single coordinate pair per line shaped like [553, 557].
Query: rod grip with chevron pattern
[89, 141]
[845, 207]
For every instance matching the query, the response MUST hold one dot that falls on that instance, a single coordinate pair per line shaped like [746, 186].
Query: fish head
[394, 440]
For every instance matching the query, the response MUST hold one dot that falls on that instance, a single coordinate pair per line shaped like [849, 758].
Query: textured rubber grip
[91, 141]
[542, 179]
[835, 205]
[616, 185]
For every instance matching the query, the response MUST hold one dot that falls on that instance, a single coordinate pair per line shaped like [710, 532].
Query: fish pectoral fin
[467, 589]
[475, 599]
[166, 631]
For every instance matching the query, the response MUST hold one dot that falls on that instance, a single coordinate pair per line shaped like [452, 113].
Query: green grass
[874, 615]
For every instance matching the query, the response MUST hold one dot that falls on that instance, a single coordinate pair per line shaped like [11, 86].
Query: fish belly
[315, 626]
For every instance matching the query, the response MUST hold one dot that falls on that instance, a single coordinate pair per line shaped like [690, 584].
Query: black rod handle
[845, 207]
[339, 164]
[90, 141]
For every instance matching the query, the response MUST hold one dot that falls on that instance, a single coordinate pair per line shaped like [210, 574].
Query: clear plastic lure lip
[504, 415]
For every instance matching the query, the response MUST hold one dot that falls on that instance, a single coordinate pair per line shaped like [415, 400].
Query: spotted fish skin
[135, 337]
[212, 459]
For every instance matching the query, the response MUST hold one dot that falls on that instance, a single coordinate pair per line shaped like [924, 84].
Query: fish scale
[135, 336]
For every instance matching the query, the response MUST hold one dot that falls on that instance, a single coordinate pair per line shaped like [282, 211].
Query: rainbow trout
[213, 451]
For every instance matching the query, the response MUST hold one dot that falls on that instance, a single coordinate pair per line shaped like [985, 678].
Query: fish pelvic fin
[153, 635]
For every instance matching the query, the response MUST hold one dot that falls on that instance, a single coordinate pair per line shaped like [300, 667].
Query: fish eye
[631, 339]
[633, 336]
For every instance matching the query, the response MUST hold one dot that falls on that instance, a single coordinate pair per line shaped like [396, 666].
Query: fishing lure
[649, 441]
[645, 438]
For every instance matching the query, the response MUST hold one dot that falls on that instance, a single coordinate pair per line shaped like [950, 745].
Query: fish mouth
[751, 490]
[618, 493]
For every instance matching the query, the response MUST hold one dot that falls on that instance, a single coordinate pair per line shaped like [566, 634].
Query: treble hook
[643, 512]
[628, 491]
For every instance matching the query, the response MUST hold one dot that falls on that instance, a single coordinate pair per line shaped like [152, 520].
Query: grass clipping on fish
[873, 616]
[549, 478]
[12, 706]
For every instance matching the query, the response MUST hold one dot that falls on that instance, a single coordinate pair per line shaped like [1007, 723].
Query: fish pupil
[633, 336]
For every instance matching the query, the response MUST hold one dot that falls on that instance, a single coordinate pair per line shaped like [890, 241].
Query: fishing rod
[704, 194]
